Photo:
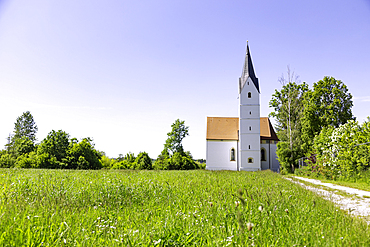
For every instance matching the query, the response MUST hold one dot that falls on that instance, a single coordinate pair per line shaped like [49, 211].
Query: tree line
[59, 151]
[305, 118]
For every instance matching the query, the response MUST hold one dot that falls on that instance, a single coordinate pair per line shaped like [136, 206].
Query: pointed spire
[248, 71]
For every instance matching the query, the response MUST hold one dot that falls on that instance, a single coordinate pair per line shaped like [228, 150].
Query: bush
[124, 164]
[107, 162]
[82, 155]
[28, 160]
[7, 160]
[142, 162]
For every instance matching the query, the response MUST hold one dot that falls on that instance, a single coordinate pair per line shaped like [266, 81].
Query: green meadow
[167, 208]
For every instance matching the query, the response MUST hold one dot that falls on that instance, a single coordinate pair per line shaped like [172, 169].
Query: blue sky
[122, 72]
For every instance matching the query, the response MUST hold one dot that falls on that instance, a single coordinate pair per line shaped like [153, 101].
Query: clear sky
[122, 72]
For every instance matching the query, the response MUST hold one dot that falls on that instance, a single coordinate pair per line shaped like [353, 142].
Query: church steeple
[248, 71]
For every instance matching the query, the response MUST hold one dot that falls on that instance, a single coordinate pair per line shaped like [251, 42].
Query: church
[247, 142]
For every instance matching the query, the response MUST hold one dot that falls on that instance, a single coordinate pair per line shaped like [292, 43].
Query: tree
[328, 104]
[173, 156]
[24, 129]
[23, 145]
[143, 162]
[25, 126]
[288, 109]
[52, 151]
[174, 141]
[83, 155]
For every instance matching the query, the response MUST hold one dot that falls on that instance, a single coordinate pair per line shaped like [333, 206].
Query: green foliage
[328, 104]
[24, 136]
[23, 145]
[168, 208]
[142, 162]
[126, 162]
[339, 151]
[25, 126]
[163, 161]
[173, 156]
[7, 160]
[27, 160]
[174, 141]
[82, 155]
[53, 149]
[181, 161]
[288, 110]
[107, 162]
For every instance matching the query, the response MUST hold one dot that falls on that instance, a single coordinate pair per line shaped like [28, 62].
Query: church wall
[254, 99]
[271, 161]
[250, 126]
[245, 156]
[274, 160]
[218, 155]
[251, 142]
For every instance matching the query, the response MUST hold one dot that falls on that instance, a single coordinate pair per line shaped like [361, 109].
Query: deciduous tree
[328, 104]
[288, 109]
[174, 141]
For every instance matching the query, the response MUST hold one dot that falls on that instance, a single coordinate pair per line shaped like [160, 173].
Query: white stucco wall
[218, 155]
[271, 159]
[245, 166]
[249, 124]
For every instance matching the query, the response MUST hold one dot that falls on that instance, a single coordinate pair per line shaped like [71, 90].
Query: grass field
[167, 208]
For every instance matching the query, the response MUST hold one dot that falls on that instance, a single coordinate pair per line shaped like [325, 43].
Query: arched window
[263, 154]
[232, 154]
[248, 82]
[250, 160]
[250, 127]
[250, 113]
[249, 95]
[249, 146]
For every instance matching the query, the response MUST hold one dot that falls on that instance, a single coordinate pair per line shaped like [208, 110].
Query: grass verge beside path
[356, 185]
[168, 208]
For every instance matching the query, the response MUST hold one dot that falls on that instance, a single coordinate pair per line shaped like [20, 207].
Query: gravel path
[356, 205]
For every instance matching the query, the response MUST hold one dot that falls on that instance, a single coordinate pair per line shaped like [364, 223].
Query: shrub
[143, 162]
[82, 155]
[7, 160]
[28, 160]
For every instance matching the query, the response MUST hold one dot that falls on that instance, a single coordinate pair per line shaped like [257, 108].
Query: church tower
[249, 158]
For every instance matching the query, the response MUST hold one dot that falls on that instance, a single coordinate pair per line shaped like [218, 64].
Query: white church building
[247, 142]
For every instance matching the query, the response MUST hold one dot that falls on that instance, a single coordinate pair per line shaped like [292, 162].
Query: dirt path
[358, 204]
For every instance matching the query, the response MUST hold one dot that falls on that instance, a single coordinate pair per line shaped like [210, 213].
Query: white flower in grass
[260, 208]
[250, 226]
[237, 203]
[157, 242]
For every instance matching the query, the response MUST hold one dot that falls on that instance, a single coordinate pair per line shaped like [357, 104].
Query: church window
[263, 154]
[248, 82]
[250, 127]
[250, 113]
[232, 154]
[250, 160]
[249, 146]
[249, 95]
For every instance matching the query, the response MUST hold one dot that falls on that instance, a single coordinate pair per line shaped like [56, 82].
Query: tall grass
[167, 208]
